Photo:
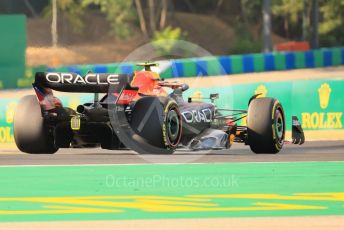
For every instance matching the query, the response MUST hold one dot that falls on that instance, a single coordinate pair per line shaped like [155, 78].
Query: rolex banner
[322, 107]
[317, 103]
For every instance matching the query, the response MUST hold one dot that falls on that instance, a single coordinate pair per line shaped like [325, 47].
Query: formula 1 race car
[137, 112]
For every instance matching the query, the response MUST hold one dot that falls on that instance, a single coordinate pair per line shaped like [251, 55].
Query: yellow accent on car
[75, 123]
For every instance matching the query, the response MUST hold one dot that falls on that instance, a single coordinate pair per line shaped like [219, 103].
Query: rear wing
[95, 83]
[90, 83]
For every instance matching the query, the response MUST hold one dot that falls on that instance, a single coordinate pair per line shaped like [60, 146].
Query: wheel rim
[279, 126]
[172, 125]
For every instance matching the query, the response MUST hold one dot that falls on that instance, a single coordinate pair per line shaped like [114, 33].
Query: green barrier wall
[12, 49]
[317, 103]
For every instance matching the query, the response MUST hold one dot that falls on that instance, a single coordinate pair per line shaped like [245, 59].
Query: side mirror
[214, 96]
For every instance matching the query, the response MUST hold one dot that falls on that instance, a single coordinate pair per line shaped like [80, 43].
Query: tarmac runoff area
[310, 151]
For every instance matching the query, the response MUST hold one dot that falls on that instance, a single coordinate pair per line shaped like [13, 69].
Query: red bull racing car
[143, 113]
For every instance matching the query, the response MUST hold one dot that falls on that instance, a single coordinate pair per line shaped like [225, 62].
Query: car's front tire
[265, 125]
[30, 132]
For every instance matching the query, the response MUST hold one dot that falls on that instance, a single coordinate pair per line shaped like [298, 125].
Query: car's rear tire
[30, 132]
[265, 125]
[159, 122]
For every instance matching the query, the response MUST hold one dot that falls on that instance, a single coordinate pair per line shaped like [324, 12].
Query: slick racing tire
[158, 121]
[265, 125]
[30, 133]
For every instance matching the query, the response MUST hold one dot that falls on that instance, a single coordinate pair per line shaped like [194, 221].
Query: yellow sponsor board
[330, 120]
[262, 90]
[197, 96]
[322, 120]
[10, 109]
[324, 95]
[6, 135]
[73, 102]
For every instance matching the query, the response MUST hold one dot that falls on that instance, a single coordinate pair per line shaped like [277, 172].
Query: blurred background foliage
[287, 16]
[154, 19]
[124, 15]
[119, 13]
[244, 41]
[164, 41]
[69, 9]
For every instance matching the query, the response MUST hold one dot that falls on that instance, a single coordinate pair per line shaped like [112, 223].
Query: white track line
[130, 164]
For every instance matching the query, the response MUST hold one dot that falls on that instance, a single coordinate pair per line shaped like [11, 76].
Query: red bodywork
[46, 98]
[148, 83]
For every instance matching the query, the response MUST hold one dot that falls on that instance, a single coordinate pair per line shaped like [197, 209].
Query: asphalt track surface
[310, 151]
